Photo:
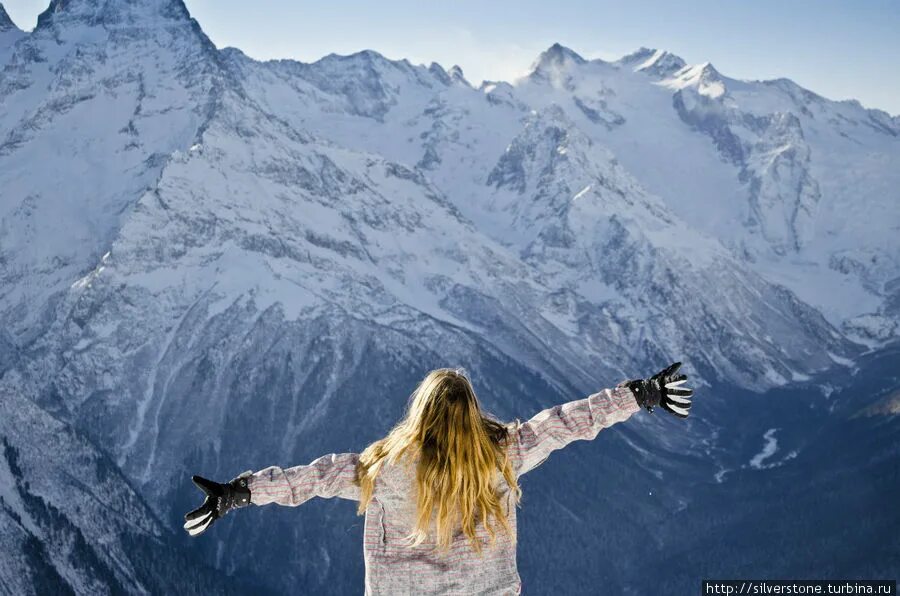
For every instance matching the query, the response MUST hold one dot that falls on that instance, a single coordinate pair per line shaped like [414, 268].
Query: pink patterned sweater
[393, 568]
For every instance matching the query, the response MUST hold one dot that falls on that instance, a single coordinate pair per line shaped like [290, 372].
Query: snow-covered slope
[92, 104]
[801, 188]
[448, 129]
[209, 263]
[774, 172]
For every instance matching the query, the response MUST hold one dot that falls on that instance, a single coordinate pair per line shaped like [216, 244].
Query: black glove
[662, 389]
[220, 499]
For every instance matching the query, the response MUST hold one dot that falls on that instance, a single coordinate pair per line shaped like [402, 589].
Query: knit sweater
[393, 567]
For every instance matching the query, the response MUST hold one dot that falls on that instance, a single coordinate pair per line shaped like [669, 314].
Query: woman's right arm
[555, 427]
[328, 476]
[331, 475]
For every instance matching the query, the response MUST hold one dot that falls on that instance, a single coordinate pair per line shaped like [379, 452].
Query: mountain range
[210, 263]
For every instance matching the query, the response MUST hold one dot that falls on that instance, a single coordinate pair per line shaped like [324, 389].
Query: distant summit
[652, 61]
[705, 78]
[555, 57]
[639, 55]
[454, 75]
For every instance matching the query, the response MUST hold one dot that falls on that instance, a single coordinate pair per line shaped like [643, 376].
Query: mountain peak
[704, 78]
[556, 57]
[653, 61]
[709, 70]
[369, 58]
[439, 73]
[704, 72]
[456, 73]
[373, 66]
[94, 12]
[639, 55]
[6, 23]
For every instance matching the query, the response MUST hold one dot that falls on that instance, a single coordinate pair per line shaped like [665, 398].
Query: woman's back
[393, 567]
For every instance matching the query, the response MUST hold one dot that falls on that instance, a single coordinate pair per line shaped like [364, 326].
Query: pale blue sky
[839, 49]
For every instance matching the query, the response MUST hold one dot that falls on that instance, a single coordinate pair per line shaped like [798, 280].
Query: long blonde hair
[461, 451]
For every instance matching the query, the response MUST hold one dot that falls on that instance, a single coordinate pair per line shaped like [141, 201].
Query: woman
[439, 491]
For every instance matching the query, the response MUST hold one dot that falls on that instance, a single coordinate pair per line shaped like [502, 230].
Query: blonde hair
[461, 451]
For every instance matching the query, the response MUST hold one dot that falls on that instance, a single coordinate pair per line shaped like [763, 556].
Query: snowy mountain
[71, 522]
[196, 246]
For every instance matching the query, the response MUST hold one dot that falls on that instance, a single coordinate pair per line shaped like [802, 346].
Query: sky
[846, 49]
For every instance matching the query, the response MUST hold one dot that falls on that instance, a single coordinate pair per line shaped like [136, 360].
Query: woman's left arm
[328, 476]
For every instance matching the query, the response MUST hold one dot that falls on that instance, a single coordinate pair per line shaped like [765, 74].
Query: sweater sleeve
[531, 442]
[328, 476]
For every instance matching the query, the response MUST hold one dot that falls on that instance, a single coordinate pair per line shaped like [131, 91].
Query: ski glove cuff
[220, 499]
[664, 389]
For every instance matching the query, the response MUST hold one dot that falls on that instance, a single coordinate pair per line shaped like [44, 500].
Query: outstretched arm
[328, 476]
[531, 442]
[331, 475]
